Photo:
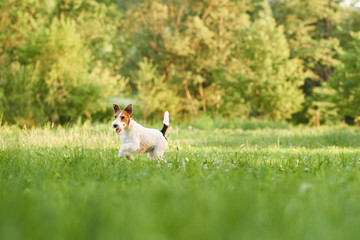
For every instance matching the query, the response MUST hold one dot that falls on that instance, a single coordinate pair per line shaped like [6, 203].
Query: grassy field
[296, 183]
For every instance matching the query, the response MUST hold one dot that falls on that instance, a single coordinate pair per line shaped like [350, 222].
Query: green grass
[296, 183]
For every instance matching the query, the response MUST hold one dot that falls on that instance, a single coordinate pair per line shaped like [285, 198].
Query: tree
[346, 82]
[50, 70]
[152, 92]
[262, 73]
[309, 26]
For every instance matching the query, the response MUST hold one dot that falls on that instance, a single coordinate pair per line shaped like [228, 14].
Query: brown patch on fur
[128, 109]
[116, 108]
[125, 117]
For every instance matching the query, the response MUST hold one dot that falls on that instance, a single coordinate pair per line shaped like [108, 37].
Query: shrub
[56, 77]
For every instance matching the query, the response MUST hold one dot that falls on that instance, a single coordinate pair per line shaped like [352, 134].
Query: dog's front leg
[125, 154]
[121, 152]
[129, 156]
[126, 149]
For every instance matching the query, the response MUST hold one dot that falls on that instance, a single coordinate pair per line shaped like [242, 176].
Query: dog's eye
[122, 117]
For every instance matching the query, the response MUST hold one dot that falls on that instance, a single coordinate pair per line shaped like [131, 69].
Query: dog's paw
[130, 157]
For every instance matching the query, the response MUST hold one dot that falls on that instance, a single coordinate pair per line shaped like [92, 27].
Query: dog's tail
[165, 122]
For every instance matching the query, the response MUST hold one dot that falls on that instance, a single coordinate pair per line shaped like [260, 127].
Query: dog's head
[122, 118]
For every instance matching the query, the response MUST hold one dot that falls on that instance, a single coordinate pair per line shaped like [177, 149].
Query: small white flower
[304, 187]
[205, 166]
[158, 165]
[169, 165]
[306, 169]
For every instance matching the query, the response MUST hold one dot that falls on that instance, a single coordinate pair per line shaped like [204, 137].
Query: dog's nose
[115, 125]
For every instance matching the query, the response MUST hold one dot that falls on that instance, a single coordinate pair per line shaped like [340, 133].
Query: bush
[153, 93]
[55, 79]
[206, 122]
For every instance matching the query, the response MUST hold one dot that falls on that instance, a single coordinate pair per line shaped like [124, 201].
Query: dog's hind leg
[159, 155]
[160, 149]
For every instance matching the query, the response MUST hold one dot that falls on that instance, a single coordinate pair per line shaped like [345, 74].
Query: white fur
[120, 124]
[166, 118]
[138, 139]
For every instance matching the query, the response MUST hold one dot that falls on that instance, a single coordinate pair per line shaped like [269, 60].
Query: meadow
[258, 183]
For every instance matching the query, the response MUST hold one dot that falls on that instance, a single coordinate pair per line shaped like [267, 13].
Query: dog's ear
[128, 109]
[116, 107]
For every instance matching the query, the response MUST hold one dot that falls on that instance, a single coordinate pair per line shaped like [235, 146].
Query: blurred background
[64, 61]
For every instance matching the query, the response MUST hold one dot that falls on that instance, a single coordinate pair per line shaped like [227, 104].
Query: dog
[137, 139]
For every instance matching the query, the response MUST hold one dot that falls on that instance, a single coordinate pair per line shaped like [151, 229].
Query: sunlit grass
[67, 183]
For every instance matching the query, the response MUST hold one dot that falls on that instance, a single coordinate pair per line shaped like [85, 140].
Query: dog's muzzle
[117, 129]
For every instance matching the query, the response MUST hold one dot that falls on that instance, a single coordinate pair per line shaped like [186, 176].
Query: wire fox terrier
[138, 139]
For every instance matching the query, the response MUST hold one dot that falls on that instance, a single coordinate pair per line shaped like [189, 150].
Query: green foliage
[275, 60]
[309, 27]
[185, 42]
[55, 76]
[262, 75]
[21, 95]
[64, 83]
[206, 122]
[153, 93]
[346, 81]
